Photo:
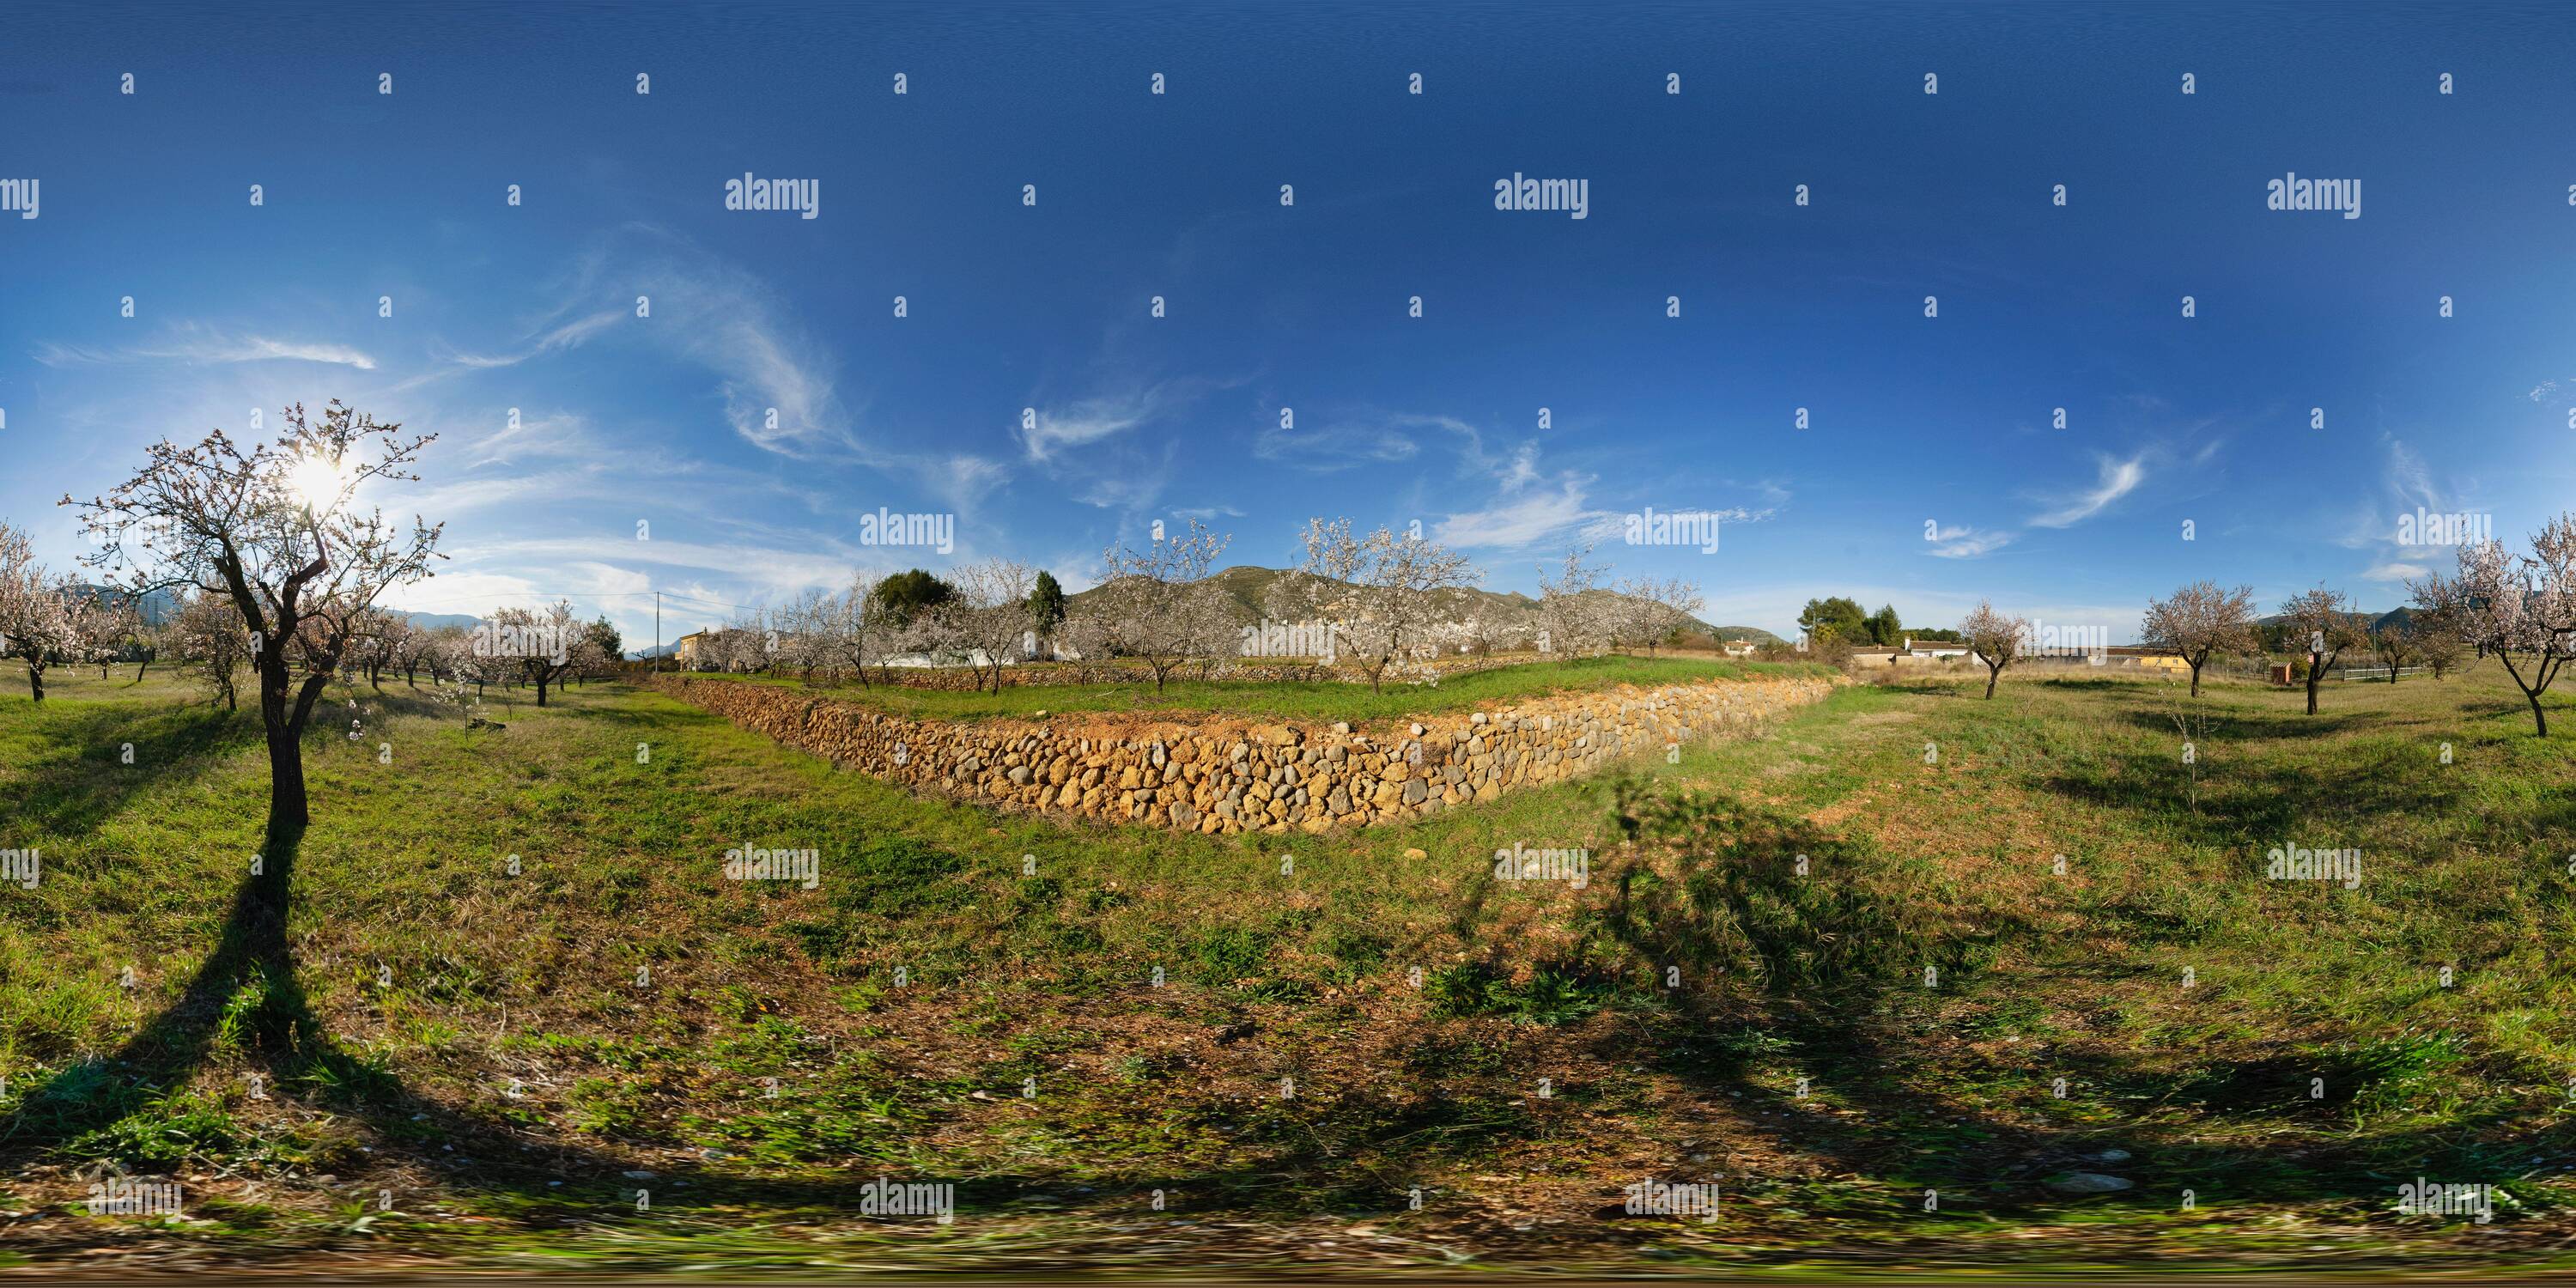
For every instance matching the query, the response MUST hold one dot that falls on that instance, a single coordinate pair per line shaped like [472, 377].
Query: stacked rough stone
[1214, 776]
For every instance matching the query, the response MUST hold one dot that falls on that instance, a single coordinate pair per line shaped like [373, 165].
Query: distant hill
[2377, 620]
[1247, 589]
[157, 606]
[432, 621]
[1749, 634]
[161, 605]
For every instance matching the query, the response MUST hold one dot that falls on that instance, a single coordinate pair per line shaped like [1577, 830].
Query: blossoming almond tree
[39, 614]
[1382, 591]
[1156, 604]
[1655, 609]
[1574, 621]
[854, 626]
[803, 628]
[2521, 608]
[107, 622]
[986, 617]
[213, 644]
[278, 531]
[2199, 620]
[1995, 638]
[2322, 621]
[544, 644]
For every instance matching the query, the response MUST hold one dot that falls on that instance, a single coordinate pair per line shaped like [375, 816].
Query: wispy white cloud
[198, 345]
[963, 481]
[1352, 441]
[1128, 491]
[2406, 486]
[2397, 571]
[1526, 515]
[564, 336]
[2409, 478]
[2117, 478]
[778, 383]
[562, 435]
[1089, 420]
[764, 569]
[1097, 418]
[1966, 542]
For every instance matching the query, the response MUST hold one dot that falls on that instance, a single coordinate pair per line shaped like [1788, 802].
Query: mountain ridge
[1247, 588]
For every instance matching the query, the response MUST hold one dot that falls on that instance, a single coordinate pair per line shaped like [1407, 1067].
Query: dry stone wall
[1217, 775]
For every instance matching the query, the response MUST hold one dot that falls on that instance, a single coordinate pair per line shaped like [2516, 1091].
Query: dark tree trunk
[2195, 679]
[2316, 674]
[286, 802]
[2530, 692]
[36, 681]
[283, 713]
[1993, 673]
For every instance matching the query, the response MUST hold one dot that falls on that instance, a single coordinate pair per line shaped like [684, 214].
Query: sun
[318, 480]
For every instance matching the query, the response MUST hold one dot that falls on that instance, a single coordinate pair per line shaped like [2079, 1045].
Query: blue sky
[1943, 421]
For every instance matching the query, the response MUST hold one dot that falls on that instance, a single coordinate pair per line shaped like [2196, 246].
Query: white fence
[2376, 672]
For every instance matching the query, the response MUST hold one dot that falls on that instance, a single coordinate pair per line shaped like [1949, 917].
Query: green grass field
[1293, 1040]
[1319, 700]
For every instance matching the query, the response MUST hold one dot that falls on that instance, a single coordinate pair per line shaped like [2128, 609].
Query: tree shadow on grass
[2239, 723]
[244, 1002]
[244, 1005]
[73, 793]
[1838, 952]
[245, 991]
[2239, 804]
[1835, 958]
